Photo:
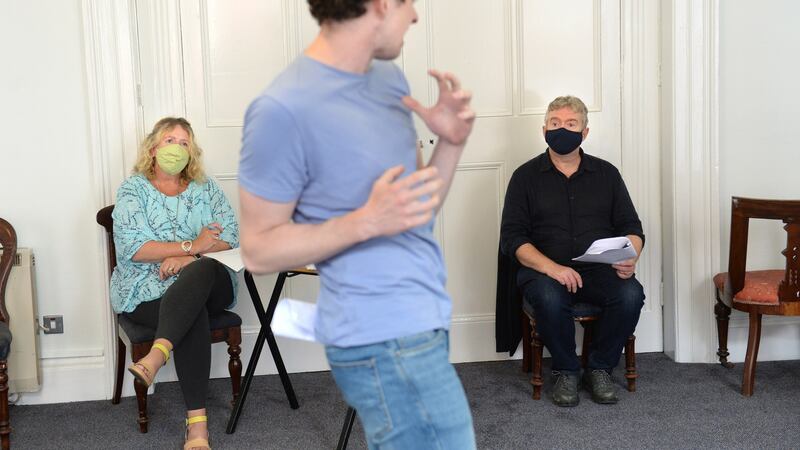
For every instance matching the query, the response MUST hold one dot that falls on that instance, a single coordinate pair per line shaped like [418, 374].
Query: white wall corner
[690, 174]
[115, 124]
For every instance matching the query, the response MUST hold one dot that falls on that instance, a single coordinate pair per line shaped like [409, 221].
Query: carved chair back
[788, 211]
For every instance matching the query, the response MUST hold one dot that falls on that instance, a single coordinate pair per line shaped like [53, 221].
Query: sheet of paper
[294, 319]
[231, 258]
[608, 251]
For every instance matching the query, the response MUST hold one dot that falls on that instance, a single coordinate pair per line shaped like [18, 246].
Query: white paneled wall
[506, 52]
[70, 139]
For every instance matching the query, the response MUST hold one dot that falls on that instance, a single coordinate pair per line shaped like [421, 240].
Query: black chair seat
[5, 340]
[578, 309]
[139, 333]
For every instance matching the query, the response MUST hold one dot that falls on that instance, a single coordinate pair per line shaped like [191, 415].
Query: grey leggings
[181, 316]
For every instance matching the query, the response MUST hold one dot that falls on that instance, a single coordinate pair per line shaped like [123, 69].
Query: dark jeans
[621, 301]
[181, 317]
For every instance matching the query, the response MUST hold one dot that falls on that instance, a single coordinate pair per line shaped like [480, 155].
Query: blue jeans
[621, 301]
[406, 392]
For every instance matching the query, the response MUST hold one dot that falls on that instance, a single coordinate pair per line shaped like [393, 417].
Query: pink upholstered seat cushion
[760, 286]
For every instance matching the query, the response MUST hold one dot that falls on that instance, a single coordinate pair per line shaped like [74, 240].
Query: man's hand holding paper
[620, 252]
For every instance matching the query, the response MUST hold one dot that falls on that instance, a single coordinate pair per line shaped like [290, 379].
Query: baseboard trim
[69, 380]
[766, 321]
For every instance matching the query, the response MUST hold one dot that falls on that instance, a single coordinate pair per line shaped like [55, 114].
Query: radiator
[23, 361]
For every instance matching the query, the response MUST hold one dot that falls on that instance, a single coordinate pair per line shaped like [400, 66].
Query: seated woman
[167, 215]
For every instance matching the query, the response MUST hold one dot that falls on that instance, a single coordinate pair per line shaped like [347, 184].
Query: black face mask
[563, 141]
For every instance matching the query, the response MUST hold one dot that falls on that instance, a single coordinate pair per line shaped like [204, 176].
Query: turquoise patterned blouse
[142, 213]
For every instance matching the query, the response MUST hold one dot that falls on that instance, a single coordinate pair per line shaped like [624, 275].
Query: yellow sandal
[141, 372]
[196, 442]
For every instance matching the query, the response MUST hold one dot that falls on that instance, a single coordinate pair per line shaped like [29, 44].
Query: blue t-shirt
[142, 213]
[321, 137]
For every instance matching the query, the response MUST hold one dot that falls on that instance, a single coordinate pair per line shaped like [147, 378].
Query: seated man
[556, 205]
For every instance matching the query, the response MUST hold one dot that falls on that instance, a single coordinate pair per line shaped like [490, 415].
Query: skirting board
[779, 338]
[69, 380]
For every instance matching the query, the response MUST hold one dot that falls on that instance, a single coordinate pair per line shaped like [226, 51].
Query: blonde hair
[571, 102]
[145, 163]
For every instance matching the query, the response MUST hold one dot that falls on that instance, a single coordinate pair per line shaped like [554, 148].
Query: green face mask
[172, 158]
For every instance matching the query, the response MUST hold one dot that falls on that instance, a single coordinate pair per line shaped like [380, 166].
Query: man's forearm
[293, 245]
[637, 243]
[530, 256]
[445, 157]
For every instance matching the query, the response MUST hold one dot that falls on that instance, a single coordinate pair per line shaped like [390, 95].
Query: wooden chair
[585, 314]
[225, 327]
[757, 292]
[8, 239]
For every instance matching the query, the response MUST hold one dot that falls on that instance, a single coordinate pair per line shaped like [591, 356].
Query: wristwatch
[187, 246]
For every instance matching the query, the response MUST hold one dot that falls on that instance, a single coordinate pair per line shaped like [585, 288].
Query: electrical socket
[53, 324]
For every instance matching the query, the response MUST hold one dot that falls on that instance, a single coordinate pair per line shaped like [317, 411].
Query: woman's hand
[173, 265]
[207, 239]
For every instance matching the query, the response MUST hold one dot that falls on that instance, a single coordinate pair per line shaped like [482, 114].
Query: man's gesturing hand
[396, 205]
[451, 118]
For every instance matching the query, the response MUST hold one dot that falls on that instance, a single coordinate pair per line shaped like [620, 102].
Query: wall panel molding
[161, 82]
[597, 68]
[508, 56]
[226, 176]
[470, 221]
[291, 42]
[498, 166]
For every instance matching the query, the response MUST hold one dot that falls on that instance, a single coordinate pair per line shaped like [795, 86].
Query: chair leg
[5, 429]
[347, 427]
[723, 313]
[536, 349]
[138, 351]
[587, 342]
[526, 343]
[630, 363]
[120, 371]
[141, 400]
[235, 364]
[753, 340]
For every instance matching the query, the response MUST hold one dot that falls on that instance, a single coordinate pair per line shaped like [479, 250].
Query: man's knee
[631, 295]
[546, 295]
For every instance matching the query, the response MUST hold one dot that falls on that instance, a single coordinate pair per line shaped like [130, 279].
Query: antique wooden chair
[585, 314]
[757, 292]
[8, 239]
[225, 327]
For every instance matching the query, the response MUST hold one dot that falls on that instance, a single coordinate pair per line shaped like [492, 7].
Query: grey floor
[675, 406]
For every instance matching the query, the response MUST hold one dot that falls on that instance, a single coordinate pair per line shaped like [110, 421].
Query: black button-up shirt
[562, 216]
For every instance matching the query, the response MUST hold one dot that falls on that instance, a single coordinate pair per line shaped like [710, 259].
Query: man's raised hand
[451, 118]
